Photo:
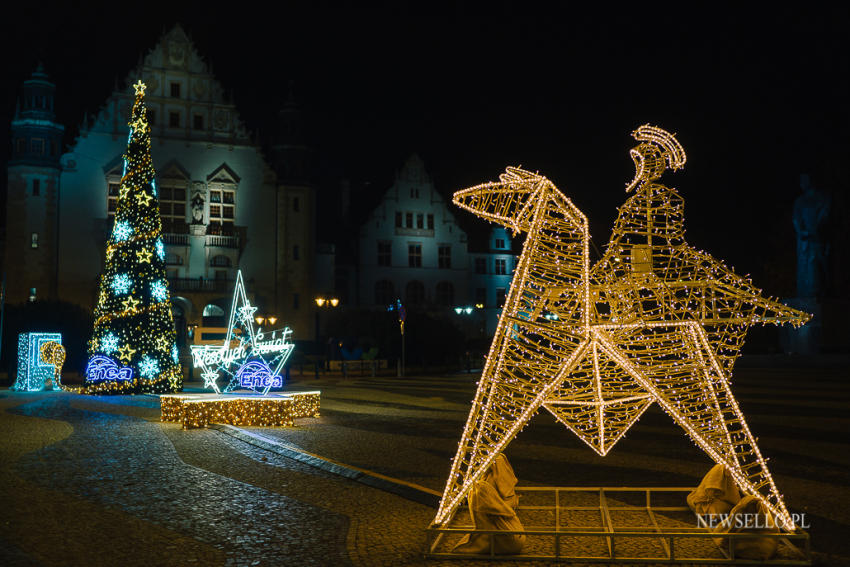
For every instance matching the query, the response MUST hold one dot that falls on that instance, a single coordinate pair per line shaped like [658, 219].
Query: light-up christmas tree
[132, 347]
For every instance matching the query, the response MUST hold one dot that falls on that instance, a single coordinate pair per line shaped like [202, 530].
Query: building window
[445, 293]
[37, 146]
[420, 220]
[444, 256]
[398, 219]
[21, 145]
[296, 204]
[222, 204]
[481, 265]
[174, 119]
[151, 116]
[414, 293]
[295, 301]
[220, 261]
[36, 187]
[409, 220]
[501, 266]
[414, 192]
[385, 253]
[175, 90]
[414, 255]
[501, 295]
[53, 147]
[430, 222]
[500, 243]
[172, 203]
[384, 292]
[198, 122]
[296, 253]
[34, 240]
[480, 296]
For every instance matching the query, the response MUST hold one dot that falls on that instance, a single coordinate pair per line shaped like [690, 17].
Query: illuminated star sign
[246, 358]
[654, 320]
[140, 87]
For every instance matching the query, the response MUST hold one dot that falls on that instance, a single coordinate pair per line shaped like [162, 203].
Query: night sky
[756, 96]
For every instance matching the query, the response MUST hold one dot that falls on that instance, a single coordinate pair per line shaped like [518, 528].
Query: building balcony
[176, 239]
[201, 285]
[222, 241]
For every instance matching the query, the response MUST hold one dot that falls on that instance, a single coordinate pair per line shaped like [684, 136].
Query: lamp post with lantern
[323, 302]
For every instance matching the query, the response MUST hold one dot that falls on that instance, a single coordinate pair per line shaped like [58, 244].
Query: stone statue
[811, 210]
[197, 208]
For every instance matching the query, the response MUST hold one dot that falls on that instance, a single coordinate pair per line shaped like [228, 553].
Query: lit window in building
[384, 292]
[444, 256]
[409, 220]
[32, 294]
[36, 187]
[414, 255]
[175, 90]
[501, 266]
[385, 248]
[481, 265]
[414, 293]
[430, 222]
[501, 295]
[172, 202]
[34, 240]
[420, 220]
[481, 296]
[198, 122]
[174, 119]
[500, 243]
[445, 293]
[112, 191]
[222, 204]
[398, 219]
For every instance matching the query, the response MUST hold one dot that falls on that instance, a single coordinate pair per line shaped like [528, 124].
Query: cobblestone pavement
[100, 481]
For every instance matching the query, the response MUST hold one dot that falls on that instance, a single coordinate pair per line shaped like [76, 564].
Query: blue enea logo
[102, 368]
[257, 374]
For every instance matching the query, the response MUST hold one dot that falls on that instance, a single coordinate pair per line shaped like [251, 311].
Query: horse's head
[509, 201]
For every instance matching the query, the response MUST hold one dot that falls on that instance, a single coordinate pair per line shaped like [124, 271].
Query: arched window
[220, 261]
[445, 293]
[213, 311]
[384, 292]
[414, 293]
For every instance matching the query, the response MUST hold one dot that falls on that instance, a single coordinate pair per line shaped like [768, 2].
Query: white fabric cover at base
[716, 493]
[750, 515]
[492, 504]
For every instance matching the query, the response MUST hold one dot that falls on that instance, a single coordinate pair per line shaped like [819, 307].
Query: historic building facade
[411, 248]
[223, 205]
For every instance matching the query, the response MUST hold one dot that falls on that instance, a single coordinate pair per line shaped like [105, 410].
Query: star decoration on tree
[143, 199]
[653, 321]
[144, 256]
[140, 87]
[130, 303]
[126, 352]
[244, 353]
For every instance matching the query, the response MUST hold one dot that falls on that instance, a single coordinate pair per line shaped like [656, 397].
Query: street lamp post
[323, 303]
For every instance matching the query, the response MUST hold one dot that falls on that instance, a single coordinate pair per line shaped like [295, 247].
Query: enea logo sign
[102, 368]
[257, 374]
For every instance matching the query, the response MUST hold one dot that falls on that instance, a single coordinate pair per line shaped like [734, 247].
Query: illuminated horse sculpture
[653, 321]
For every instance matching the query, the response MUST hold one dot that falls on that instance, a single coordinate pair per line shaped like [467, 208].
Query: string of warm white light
[194, 411]
[653, 320]
[133, 317]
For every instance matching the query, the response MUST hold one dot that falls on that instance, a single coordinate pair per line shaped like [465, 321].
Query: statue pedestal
[805, 339]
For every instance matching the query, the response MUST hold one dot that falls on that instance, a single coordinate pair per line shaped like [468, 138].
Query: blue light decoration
[148, 367]
[159, 291]
[121, 284]
[160, 247]
[175, 354]
[109, 343]
[102, 368]
[33, 372]
[122, 231]
[256, 356]
[256, 375]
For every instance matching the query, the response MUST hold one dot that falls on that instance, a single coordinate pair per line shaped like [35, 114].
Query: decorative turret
[36, 136]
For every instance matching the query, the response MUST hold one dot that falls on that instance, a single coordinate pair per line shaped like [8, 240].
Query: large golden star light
[654, 320]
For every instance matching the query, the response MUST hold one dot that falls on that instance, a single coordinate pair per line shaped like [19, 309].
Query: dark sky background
[756, 96]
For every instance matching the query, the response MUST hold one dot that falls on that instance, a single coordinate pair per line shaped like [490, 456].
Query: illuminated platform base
[199, 410]
[612, 525]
